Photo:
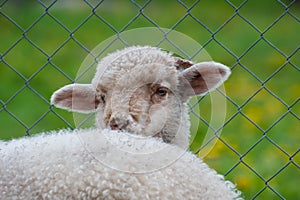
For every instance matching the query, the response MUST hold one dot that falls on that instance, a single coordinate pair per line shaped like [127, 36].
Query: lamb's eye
[102, 97]
[161, 91]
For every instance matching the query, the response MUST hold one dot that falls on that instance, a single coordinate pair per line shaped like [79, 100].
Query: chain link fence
[43, 42]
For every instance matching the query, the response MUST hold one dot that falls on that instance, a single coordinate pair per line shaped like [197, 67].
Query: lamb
[137, 151]
[144, 91]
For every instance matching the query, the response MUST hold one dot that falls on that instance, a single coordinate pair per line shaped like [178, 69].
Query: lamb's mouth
[164, 136]
[136, 132]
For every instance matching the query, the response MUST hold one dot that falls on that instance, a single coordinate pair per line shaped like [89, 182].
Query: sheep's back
[75, 165]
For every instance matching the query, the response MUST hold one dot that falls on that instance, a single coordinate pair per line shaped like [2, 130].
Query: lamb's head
[143, 90]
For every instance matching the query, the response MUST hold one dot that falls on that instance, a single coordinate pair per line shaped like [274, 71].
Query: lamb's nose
[118, 124]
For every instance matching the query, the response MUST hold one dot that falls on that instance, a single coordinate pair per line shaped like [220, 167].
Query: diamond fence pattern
[41, 42]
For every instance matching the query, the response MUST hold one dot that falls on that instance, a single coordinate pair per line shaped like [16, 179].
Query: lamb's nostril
[117, 126]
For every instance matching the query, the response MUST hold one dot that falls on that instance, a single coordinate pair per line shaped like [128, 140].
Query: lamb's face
[143, 100]
[142, 90]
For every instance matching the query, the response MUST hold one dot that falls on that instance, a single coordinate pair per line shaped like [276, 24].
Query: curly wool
[72, 165]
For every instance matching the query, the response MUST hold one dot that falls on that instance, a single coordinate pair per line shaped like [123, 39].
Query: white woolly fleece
[72, 165]
[120, 61]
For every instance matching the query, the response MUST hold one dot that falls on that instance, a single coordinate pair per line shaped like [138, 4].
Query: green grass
[31, 67]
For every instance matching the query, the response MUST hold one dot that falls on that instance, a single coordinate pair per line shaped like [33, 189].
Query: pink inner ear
[198, 83]
[202, 77]
[208, 79]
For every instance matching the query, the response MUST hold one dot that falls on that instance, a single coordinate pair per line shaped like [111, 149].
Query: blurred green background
[43, 44]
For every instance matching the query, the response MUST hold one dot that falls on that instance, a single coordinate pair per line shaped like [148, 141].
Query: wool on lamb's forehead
[135, 63]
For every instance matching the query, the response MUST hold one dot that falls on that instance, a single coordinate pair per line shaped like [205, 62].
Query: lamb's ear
[201, 78]
[76, 97]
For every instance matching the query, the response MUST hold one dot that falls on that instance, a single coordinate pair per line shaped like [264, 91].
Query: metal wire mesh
[24, 90]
